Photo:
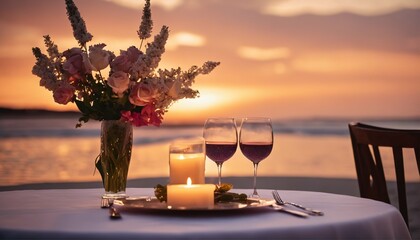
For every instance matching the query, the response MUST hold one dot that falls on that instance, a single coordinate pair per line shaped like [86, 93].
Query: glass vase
[114, 161]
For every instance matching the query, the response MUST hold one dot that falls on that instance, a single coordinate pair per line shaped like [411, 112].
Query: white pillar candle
[184, 165]
[190, 196]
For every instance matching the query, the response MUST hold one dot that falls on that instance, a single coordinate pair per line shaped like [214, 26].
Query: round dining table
[76, 213]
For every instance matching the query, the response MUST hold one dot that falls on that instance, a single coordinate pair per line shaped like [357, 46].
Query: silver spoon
[310, 211]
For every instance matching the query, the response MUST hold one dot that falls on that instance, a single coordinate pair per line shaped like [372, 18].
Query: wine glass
[256, 142]
[221, 138]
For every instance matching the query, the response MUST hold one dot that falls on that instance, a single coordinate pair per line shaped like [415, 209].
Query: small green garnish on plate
[161, 192]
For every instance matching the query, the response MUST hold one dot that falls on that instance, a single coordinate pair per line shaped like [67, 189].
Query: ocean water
[36, 150]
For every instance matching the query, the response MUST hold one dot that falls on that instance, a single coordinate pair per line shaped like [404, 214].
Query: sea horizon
[56, 124]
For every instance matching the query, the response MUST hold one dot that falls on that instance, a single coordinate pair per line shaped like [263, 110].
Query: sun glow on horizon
[210, 98]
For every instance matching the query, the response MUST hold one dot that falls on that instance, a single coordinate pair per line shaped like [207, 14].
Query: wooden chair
[370, 173]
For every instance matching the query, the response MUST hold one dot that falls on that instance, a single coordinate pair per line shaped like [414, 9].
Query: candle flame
[189, 182]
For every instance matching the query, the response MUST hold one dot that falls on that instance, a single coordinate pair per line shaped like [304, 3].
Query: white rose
[119, 82]
[98, 58]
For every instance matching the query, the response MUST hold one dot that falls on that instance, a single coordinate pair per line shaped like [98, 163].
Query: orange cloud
[166, 4]
[358, 62]
[185, 39]
[16, 39]
[328, 7]
[264, 54]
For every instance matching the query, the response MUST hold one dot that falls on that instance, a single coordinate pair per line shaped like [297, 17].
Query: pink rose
[121, 63]
[133, 54]
[63, 94]
[125, 60]
[74, 63]
[143, 93]
[119, 81]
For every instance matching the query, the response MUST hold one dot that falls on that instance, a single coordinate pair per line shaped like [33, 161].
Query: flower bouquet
[135, 92]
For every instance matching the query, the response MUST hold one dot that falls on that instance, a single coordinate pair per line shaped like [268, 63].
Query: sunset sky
[279, 58]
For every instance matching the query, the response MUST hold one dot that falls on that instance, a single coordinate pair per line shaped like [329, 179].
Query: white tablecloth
[75, 213]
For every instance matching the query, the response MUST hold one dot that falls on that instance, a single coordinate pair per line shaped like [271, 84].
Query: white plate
[152, 203]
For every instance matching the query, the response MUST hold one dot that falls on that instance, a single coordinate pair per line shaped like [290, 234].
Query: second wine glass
[221, 140]
[256, 142]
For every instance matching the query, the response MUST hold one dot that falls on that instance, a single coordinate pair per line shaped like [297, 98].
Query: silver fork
[310, 211]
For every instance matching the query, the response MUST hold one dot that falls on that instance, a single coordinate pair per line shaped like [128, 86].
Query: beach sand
[346, 186]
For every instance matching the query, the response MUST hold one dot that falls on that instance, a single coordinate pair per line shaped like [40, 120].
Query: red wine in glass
[220, 151]
[256, 142]
[256, 151]
[221, 139]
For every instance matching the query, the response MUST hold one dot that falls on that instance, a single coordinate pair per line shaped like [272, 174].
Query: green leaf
[98, 165]
[83, 107]
[161, 193]
[229, 197]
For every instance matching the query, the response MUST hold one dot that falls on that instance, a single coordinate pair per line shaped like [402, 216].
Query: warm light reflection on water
[55, 159]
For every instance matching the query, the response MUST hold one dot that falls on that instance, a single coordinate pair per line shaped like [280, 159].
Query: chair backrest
[370, 173]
